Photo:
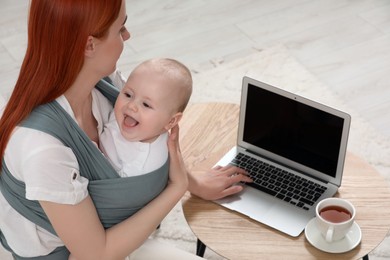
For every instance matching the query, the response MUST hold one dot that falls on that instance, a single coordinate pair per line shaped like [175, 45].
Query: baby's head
[153, 99]
[173, 75]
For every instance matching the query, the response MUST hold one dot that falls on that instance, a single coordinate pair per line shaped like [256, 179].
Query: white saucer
[349, 242]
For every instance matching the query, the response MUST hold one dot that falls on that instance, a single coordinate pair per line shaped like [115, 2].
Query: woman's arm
[80, 229]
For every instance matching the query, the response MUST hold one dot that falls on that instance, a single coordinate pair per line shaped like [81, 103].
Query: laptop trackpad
[268, 210]
[249, 202]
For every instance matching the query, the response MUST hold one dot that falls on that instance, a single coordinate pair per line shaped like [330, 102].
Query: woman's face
[110, 47]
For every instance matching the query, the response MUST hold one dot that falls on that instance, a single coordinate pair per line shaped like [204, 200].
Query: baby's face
[146, 106]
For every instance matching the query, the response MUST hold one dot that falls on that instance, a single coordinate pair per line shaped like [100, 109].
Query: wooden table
[210, 130]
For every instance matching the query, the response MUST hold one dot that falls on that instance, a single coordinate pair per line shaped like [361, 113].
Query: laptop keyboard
[280, 183]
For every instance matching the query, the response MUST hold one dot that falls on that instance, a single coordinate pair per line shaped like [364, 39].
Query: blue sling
[115, 198]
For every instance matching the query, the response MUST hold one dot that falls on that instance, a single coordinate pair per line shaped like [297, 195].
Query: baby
[148, 106]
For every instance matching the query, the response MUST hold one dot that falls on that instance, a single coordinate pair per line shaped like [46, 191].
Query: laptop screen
[293, 130]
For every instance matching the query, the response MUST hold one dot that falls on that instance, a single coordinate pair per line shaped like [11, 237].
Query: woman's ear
[174, 120]
[90, 47]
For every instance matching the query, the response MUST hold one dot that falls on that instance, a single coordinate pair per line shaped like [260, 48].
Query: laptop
[294, 148]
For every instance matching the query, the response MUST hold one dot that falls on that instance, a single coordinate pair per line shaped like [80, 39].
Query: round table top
[208, 131]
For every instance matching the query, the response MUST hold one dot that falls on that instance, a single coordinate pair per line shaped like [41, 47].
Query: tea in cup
[334, 218]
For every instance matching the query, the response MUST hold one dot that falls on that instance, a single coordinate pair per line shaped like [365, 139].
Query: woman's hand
[178, 174]
[218, 182]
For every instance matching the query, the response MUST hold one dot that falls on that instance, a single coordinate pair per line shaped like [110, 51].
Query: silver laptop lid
[293, 131]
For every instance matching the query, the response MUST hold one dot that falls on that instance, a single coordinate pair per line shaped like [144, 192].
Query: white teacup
[334, 218]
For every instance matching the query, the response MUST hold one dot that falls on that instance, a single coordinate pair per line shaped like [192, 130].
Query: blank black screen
[293, 130]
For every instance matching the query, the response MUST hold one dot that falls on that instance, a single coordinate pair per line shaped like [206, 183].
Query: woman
[88, 37]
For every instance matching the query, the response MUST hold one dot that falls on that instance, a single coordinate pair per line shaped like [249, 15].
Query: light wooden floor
[344, 43]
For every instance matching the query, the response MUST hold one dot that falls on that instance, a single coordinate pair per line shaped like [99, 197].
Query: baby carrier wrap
[115, 198]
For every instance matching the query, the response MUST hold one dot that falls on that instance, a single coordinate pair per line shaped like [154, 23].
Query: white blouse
[46, 166]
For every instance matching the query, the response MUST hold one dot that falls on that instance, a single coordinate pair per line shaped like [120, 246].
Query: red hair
[57, 35]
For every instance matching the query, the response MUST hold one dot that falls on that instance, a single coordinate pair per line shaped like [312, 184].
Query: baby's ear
[174, 120]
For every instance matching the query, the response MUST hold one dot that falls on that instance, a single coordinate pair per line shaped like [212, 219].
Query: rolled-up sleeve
[49, 169]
